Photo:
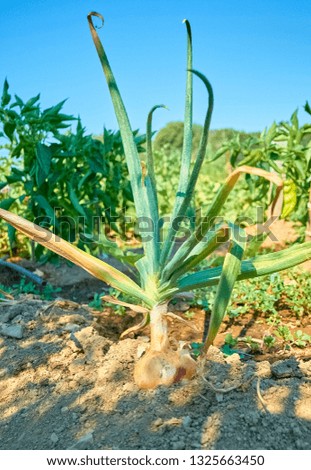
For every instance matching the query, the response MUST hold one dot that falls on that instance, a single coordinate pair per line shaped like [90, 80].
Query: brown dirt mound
[67, 383]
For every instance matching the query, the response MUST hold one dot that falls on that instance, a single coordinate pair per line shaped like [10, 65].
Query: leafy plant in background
[298, 338]
[269, 296]
[162, 273]
[23, 129]
[167, 149]
[272, 294]
[286, 149]
[170, 138]
[67, 181]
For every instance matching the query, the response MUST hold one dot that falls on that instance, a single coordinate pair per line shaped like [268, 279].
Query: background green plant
[46, 292]
[48, 174]
[286, 149]
[265, 299]
[50, 170]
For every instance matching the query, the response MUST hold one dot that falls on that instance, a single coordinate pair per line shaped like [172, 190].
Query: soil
[66, 382]
[282, 233]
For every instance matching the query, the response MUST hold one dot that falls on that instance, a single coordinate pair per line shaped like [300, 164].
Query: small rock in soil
[285, 369]
[186, 422]
[129, 387]
[141, 349]
[94, 346]
[144, 339]
[305, 368]
[233, 359]
[214, 354]
[76, 346]
[12, 331]
[17, 319]
[252, 418]
[54, 438]
[71, 327]
[264, 370]
[82, 409]
[61, 428]
[76, 366]
[85, 443]
[158, 422]
[11, 312]
[3, 372]
[73, 318]
[179, 445]
[179, 306]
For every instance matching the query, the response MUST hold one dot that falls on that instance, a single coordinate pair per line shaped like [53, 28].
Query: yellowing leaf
[289, 198]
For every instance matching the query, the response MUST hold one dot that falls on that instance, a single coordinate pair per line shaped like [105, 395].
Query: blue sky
[255, 53]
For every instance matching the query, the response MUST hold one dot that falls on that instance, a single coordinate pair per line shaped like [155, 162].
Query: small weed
[25, 287]
[270, 294]
[201, 299]
[252, 343]
[118, 309]
[298, 338]
[269, 341]
[189, 314]
[302, 339]
[256, 295]
[97, 303]
[284, 333]
[196, 349]
[230, 341]
[48, 292]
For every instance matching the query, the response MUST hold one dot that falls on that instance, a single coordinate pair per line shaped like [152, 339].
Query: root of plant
[243, 384]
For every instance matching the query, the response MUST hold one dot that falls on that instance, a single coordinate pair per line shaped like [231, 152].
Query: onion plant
[163, 272]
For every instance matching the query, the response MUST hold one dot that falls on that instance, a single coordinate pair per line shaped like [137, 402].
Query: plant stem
[158, 328]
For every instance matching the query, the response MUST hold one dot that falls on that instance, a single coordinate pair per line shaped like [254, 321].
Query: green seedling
[189, 314]
[269, 341]
[26, 287]
[301, 339]
[196, 349]
[230, 341]
[97, 302]
[298, 338]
